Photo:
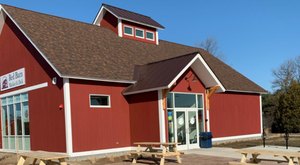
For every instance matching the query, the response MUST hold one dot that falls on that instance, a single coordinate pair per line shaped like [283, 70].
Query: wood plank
[43, 155]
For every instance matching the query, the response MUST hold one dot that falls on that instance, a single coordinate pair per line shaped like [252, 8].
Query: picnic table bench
[43, 156]
[151, 149]
[290, 156]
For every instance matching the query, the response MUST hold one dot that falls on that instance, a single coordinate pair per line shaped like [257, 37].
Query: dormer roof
[129, 16]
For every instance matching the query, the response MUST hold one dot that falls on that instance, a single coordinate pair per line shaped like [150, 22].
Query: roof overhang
[201, 69]
[102, 11]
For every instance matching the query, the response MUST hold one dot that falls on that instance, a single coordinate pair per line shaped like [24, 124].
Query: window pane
[185, 100]
[17, 99]
[4, 120]
[27, 142]
[11, 119]
[149, 35]
[5, 141]
[128, 30]
[3, 101]
[10, 100]
[171, 126]
[25, 118]
[139, 33]
[200, 101]
[18, 118]
[24, 97]
[170, 100]
[200, 120]
[99, 100]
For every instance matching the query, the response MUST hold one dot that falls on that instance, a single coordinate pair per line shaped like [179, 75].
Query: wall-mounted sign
[12, 79]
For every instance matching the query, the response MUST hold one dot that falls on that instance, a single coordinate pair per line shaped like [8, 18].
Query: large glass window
[15, 122]
[185, 100]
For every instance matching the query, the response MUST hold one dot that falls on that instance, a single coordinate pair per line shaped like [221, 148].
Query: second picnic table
[156, 149]
[43, 156]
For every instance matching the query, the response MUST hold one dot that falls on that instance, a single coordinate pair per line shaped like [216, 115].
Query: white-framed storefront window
[15, 122]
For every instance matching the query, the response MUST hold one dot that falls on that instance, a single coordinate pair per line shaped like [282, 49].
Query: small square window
[128, 30]
[139, 33]
[150, 36]
[99, 101]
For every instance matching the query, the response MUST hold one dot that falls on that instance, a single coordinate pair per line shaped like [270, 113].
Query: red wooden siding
[145, 28]
[189, 83]
[110, 21]
[234, 114]
[144, 119]
[47, 128]
[98, 128]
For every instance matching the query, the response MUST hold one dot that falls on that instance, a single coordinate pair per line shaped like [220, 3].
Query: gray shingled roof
[131, 16]
[83, 50]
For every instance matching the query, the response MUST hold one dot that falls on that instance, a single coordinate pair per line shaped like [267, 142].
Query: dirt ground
[187, 159]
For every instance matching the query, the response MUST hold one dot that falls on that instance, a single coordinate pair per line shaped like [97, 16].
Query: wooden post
[208, 93]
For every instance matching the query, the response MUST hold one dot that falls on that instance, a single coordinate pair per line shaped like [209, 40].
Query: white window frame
[100, 106]
[126, 26]
[140, 30]
[150, 38]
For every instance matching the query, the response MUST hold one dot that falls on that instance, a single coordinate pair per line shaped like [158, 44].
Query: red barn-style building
[83, 89]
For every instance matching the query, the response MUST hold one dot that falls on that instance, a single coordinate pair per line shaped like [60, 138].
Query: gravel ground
[187, 159]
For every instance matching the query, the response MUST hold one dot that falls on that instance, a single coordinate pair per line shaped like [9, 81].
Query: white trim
[100, 106]
[120, 29]
[34, 87]
[141, 23]
[235, 137]
[157, 41]
[251, 92]
[261, 115]
[68, 119]
[98, 79]
[149, 38]
[135, 29]
[144, 91]
[212, 73]
[198, 56]
[104, 151]
[27, 37]
[98, 15]
[127, 34]
[161, 115]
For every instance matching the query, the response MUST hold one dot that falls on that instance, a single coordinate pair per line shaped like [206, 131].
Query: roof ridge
[180, 56]
[104, 4]
[50, 15]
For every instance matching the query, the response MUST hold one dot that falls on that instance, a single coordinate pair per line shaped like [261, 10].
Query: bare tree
[210, 44]
[286, 74]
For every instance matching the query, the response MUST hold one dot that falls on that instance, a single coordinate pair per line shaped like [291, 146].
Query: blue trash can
[205, 139]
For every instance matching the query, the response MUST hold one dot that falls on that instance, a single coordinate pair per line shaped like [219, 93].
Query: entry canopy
[164, 74]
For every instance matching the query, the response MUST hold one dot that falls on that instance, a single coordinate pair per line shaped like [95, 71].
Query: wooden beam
[208, 93]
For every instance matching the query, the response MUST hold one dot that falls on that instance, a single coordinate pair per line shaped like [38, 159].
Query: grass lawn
[276, 141]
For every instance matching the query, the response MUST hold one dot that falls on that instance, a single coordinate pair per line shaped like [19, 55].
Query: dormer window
[128, 30]
[149, 35]
[139, 33]
[128, 24]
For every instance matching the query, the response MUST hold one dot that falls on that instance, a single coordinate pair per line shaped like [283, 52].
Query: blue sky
[255, 36]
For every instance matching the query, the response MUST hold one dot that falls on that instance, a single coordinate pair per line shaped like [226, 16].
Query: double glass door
[186, 131]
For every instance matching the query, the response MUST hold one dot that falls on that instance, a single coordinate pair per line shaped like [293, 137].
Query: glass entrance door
[186, 129]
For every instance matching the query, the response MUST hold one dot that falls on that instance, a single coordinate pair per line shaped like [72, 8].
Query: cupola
[128, 24]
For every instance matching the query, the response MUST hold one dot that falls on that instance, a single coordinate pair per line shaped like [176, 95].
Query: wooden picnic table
[43, 156]
[156, 150]
[290, 156]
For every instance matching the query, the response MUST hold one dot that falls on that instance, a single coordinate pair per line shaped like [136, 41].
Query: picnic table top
[44, 155]
[270, 152]
[154, 143]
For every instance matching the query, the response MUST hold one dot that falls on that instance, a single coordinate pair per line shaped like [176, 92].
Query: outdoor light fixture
[54, 80]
